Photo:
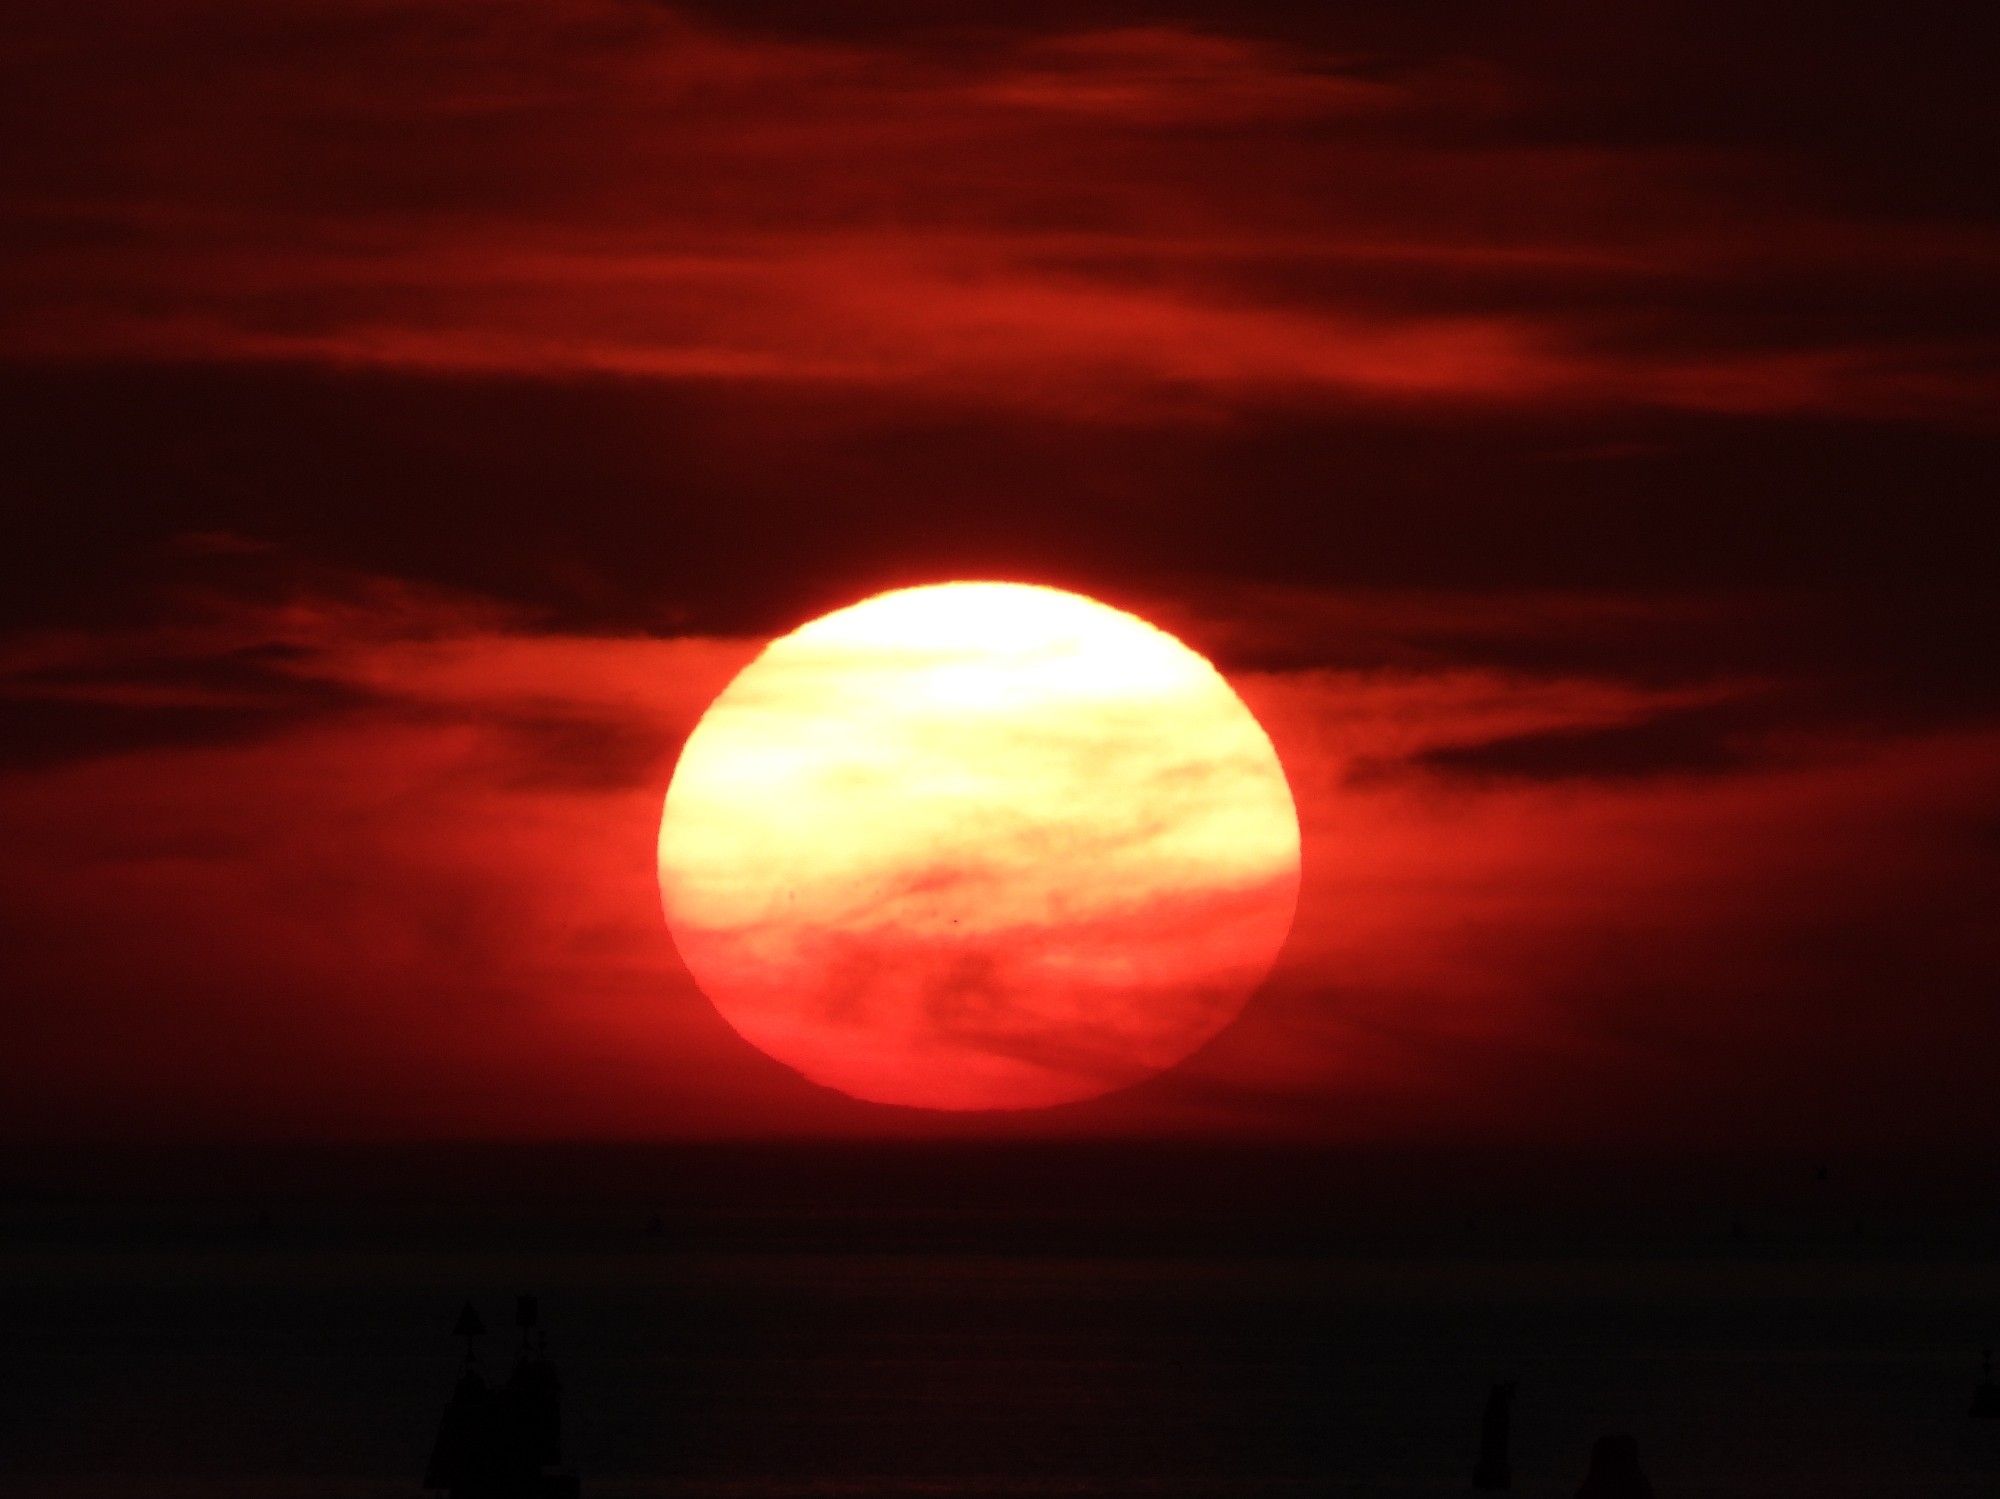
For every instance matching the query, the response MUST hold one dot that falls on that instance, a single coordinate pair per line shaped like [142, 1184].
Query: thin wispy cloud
[1126, 222]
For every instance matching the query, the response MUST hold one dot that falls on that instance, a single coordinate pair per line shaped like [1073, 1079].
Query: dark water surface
[235, 1357]
[295, 1369]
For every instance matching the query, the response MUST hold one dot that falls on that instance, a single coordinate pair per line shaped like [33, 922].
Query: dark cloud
[1702, 741]
[44, 730]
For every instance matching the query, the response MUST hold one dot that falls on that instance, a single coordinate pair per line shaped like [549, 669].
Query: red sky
[1571, 428]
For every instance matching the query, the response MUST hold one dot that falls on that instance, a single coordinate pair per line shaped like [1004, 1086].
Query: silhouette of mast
[1493, 1473]
[1614, 1470]
[498, 1442]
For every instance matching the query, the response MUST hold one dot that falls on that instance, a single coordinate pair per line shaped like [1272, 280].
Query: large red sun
[978, 846]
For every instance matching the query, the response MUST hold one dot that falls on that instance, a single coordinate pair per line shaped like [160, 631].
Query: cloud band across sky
[1093, 218]
[386, 867]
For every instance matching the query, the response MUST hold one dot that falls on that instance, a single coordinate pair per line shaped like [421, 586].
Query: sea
[888, 1330]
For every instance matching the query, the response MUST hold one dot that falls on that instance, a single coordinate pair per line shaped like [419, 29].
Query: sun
[978, 846]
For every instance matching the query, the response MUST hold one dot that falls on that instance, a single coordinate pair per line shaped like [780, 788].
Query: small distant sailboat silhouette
[1986, 1394]
[498, 1441]
[1492, 1473]
[1614, 1470]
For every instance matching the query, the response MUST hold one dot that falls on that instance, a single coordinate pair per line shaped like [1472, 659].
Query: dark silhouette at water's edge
[1614, 1470]
[1986, 1394]
[1492, 1473]
[497, 1442]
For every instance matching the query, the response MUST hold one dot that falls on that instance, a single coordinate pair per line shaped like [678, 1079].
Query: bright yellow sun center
[978, 845]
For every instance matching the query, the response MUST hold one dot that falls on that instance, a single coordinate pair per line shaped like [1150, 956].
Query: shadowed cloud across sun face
[979, 846]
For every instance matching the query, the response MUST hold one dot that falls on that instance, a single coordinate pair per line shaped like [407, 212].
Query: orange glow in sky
[979, 846]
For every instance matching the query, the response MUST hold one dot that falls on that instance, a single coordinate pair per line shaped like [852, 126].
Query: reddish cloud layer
[416, 893]
[1095, 221]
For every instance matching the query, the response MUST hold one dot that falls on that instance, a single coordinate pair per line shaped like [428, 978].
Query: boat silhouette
[501, 1441]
